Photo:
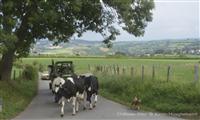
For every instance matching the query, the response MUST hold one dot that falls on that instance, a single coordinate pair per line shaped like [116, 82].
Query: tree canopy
[22, 22]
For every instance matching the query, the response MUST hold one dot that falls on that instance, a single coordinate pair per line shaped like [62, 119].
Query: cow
[73, 89]
[91, 88]
[78, 88]
[67, 91]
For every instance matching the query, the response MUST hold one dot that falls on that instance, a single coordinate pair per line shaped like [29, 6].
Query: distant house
[147, 55]
[55, 47]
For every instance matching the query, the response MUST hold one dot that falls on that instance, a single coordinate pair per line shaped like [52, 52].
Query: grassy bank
[164, 97]
[17, 94]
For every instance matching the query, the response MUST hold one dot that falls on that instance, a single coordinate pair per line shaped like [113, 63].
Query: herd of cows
[75, 89]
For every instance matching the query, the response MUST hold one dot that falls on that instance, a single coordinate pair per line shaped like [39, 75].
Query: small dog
[136, 103]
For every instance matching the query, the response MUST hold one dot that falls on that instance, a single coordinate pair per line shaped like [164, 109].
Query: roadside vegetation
[161, 96]
[18, 92]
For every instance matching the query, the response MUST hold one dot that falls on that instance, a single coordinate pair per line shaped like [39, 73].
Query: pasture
[179, 94]
[181, 70]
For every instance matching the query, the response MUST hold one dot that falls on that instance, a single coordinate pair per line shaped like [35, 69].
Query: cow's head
[57, 84]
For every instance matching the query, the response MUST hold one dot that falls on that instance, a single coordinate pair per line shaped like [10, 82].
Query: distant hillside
[133, 48]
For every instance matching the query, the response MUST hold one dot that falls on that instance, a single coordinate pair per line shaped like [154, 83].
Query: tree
[23, 22]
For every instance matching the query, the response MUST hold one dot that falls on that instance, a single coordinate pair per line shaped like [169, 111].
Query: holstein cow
[72, 89]
[91, 87]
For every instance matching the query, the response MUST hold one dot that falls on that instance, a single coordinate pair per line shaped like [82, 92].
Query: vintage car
[45, 76]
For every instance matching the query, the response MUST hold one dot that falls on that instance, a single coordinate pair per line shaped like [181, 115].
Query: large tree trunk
[6, 65]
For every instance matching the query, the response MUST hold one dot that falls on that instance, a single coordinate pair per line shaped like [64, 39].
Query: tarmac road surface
[43, 107]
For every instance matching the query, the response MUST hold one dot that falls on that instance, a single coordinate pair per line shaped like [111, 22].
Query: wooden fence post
[168, 72]
[123, 69]
[142, 72]
[114, 70]
[117, 69]
[132, 71]
[153, 72]
[97, 68]
[14, 75]
[196, 73]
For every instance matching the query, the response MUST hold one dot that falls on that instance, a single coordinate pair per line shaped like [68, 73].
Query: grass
[81, 64]
[16, 95]
[164, 97]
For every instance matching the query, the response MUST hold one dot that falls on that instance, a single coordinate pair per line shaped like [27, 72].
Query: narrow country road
[43, 107]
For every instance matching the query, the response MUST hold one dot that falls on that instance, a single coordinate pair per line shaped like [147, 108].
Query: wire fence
[159, 72]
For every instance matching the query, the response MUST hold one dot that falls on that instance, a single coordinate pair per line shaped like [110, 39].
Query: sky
[172, 19]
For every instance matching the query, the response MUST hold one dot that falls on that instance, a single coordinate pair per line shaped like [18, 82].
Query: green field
[181, 70]
[180, 94]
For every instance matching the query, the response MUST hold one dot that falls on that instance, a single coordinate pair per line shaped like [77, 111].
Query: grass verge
[17, 95]
[156, 96]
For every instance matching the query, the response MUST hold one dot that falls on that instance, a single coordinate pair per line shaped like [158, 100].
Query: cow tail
[97, 85]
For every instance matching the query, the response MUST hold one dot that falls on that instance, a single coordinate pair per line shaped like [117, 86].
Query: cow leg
[81, 96]
[62, 106]
[90, 101]
[77, 105]
[91, 106]
[68, 100]
[74, 105]
[95, 100]
[85, 101]
[60, 101]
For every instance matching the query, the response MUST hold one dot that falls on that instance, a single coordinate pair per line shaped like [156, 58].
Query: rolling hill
[133, 48]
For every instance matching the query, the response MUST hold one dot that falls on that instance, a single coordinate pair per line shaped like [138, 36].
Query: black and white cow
[77, 89]
[72, 89]
[66, 92]
[91, 88]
